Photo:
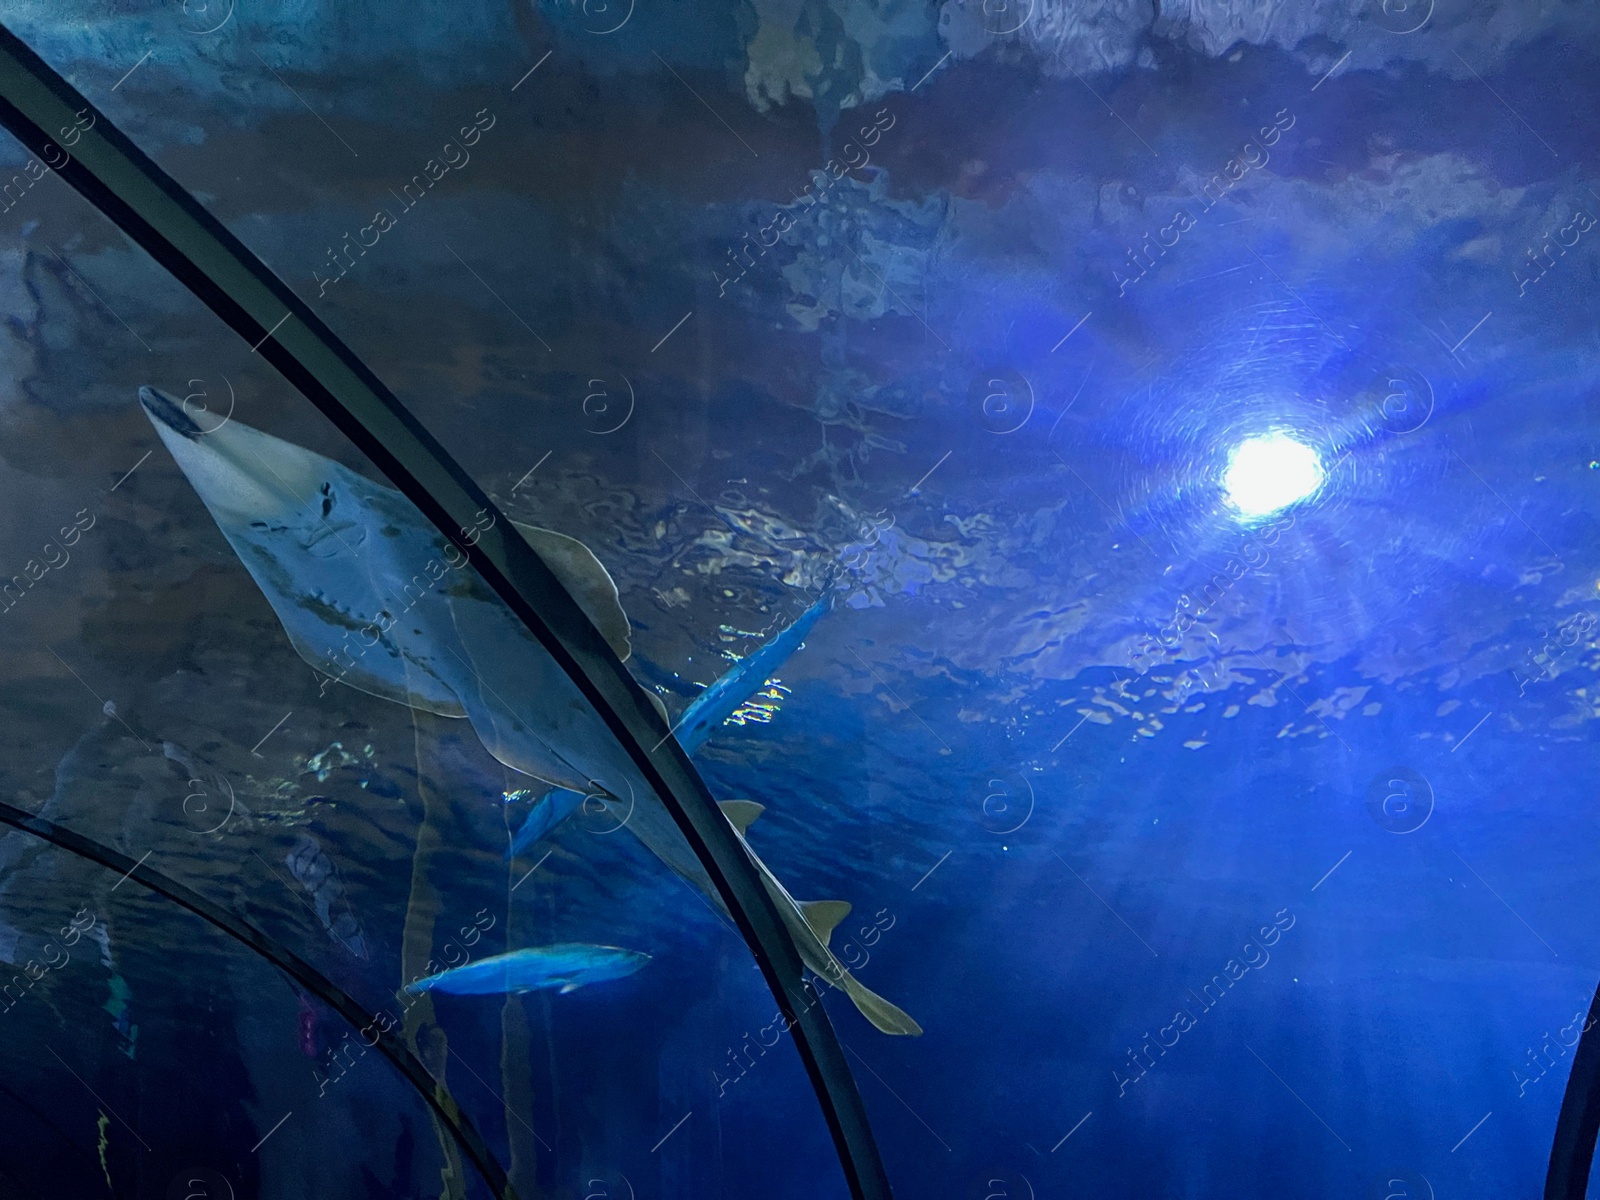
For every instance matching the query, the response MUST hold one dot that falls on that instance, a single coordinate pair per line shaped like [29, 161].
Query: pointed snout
[167, 413]
[242, 474]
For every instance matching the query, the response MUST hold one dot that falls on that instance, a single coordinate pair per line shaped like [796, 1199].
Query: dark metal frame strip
[319, 985]
[1578, 1124]
[38, 106]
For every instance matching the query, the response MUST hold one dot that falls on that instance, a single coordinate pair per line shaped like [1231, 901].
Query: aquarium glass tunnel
[801, 599]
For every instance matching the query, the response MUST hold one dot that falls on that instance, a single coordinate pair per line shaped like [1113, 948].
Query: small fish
[702, 718]
[746, 677]
[566, 967]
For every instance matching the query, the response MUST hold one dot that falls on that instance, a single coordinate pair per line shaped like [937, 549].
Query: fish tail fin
[883, 1015]
[823, 916]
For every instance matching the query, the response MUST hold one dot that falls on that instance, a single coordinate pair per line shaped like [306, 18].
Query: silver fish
[565, 967]
[710, 709]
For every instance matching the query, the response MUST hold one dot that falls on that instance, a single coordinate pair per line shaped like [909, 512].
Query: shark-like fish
[566, 967]
[710, 709]
[371, 595]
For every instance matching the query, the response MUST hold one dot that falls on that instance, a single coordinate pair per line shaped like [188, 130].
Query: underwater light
[1271, 472]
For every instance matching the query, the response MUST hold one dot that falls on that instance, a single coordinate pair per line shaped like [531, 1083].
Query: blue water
[1215, 856]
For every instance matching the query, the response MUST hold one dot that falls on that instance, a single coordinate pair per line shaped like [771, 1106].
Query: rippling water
[1214, 856]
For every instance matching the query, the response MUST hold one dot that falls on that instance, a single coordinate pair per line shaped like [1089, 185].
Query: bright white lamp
[1269, 473]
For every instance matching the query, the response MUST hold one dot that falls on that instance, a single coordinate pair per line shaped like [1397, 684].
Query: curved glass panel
[235, 656]
[117, 1078]
[1187, 408]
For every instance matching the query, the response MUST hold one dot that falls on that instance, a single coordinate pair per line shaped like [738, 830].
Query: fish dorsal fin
[660, 706]
[591, 585]
[741, 814]
[823, 916]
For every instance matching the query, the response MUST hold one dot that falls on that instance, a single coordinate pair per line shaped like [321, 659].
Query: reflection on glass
[373, 596]
[155, 704]
[1225, 818]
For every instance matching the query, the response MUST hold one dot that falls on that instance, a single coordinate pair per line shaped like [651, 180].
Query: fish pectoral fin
[823, 916]
[742, 814]
[883, 1015]
[568, 987]
[591, 585]
[398, 679]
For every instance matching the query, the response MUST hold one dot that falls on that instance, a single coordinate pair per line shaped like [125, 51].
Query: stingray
[371, 595]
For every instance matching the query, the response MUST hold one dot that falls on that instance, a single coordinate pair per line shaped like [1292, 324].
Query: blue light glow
[1269, 473]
